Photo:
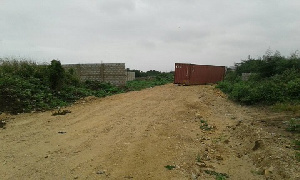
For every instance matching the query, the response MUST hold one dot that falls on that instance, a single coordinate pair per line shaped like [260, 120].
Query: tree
[56, 75]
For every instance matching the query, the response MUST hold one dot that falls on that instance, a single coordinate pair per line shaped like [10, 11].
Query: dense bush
[56, 75]
[275, 79]
[26, 86]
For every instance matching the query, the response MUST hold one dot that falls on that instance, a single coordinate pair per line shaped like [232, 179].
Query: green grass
[198, 158]
[257, 172]
[297, 144]
[170, 167]
[137, 85]
[294, 125]
[286, 107]
[297, 156]
[219, 176]
[204, 126]
[26, 86]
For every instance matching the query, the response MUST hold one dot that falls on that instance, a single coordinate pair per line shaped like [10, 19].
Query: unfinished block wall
[113, 73]
[130, 76]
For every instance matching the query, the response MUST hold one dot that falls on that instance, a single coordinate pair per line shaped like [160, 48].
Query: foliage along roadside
[274, 79]
[26, 86]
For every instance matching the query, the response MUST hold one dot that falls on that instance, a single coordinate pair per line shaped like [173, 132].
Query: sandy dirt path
[135, 135]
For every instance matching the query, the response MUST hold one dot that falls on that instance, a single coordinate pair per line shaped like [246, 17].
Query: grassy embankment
[26, 86]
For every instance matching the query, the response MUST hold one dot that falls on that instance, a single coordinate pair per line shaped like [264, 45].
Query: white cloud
[148, 34]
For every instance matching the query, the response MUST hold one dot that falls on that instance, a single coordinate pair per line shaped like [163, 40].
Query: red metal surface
[191, 74]
[182, 73]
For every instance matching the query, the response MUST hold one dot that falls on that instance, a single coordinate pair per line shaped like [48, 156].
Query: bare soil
[195, 130]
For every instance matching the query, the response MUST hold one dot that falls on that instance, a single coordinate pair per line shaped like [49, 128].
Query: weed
[205, 126]
[286, 107]
[219, 176]
[294, 125]
[170, 167]
[297, 144]
[198, 158]
[257, 172]
[221, 138]
[297, 156]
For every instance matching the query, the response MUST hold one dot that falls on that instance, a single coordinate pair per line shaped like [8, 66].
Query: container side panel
[204, 74]
[198, 75]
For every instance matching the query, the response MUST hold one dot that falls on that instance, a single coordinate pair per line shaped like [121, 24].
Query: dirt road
[135, 135]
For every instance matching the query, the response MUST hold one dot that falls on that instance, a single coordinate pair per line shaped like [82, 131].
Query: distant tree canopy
[270, 65]
[139, 73]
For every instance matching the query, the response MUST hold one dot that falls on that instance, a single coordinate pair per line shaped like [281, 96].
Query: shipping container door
[182, 74]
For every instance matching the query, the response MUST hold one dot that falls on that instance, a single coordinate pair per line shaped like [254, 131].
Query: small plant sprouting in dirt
[257, 172]
[60, 112]
[297, 148]
[294, 125]
[219, 176]
[297, 144]
[221, 138]
[205, 126]
[198, 158]
[297, 156]
[170, 167]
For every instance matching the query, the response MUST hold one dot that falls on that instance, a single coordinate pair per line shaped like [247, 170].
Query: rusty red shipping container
[192, 74]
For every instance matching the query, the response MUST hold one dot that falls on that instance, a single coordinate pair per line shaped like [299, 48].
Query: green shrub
[26, 86]
[56, 75]
[276, 80]
[19, 95]
[294, 125]
[245, 92]
[292, 89]
[225, 86]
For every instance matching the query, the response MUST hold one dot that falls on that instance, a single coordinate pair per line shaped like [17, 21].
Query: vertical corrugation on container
[191, 74]
[182, 73]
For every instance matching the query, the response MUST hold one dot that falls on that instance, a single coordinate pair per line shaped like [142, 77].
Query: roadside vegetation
[26, 86]
[160, 79]
[274, 79]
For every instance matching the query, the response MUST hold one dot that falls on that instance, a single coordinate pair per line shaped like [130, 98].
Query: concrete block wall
[113, 73]
[246, 76]
[130, 76]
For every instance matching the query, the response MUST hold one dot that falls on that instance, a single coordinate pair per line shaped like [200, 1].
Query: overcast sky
[148, 34]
